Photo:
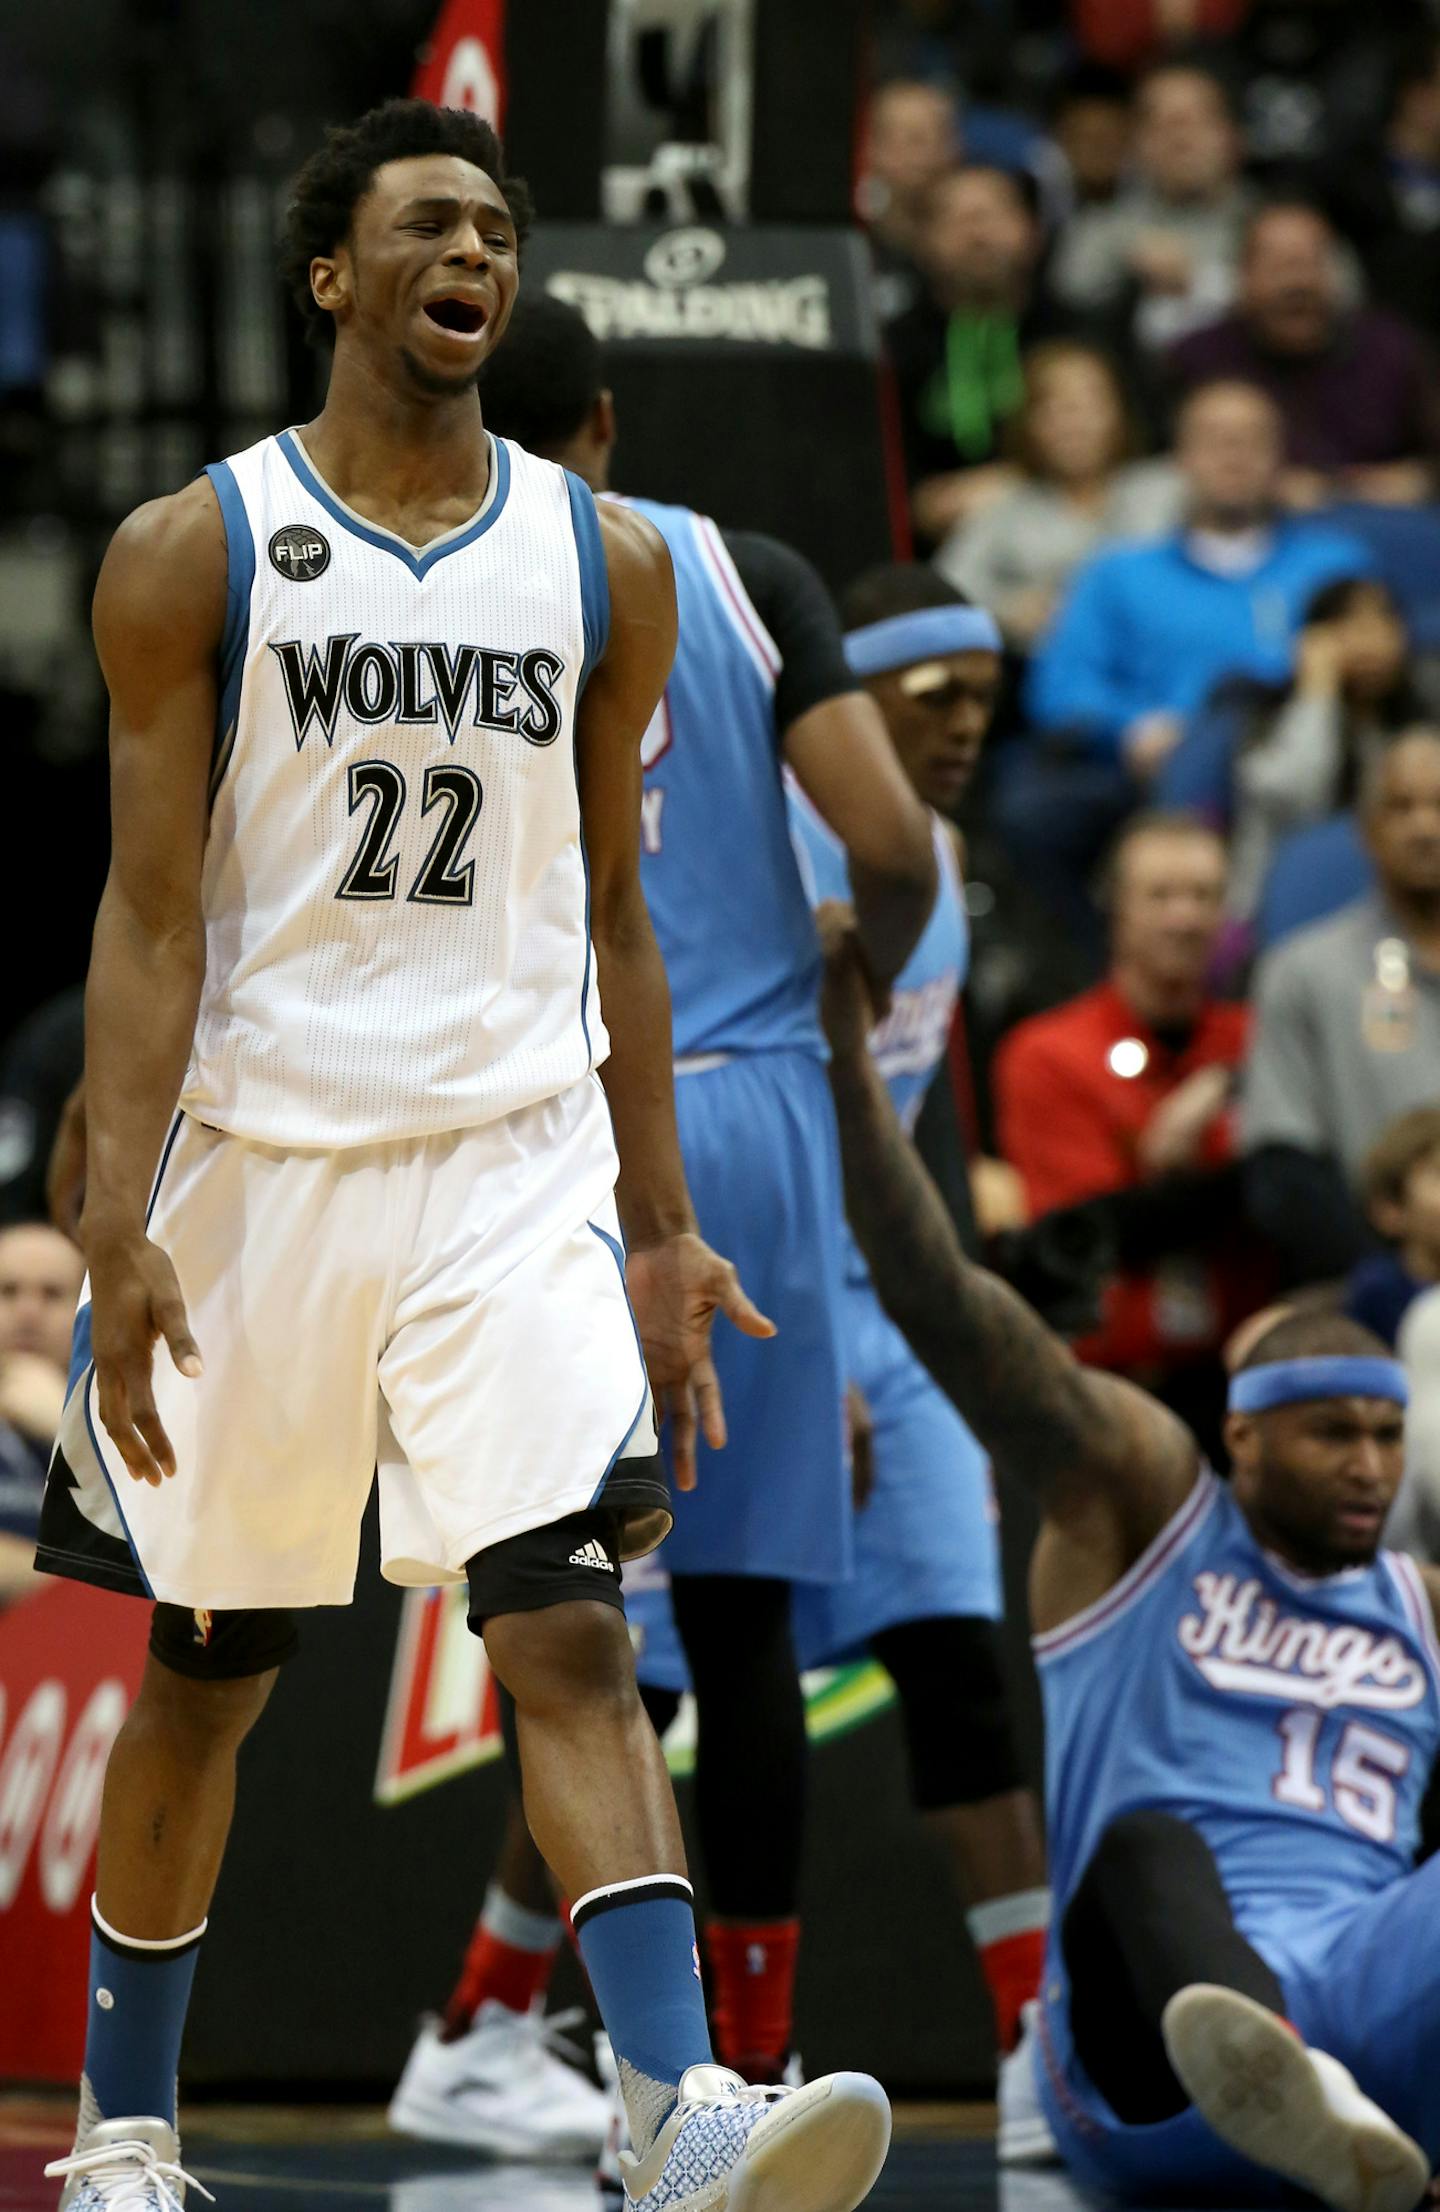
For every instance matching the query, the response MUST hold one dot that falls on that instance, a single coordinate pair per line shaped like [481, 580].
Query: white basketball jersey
[395, 893]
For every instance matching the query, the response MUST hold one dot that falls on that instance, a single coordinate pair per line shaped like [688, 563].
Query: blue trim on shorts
[110, 1486]
[160, 1170]
[617, 1253]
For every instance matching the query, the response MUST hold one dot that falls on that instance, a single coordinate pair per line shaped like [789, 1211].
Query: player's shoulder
[180, 526]
[637, 563]
[166, 566]
[1430, 1577]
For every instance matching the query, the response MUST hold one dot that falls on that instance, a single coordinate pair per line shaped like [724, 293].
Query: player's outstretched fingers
[709, 1399]
[740, 1308]
[116, 1418]
[172, 1321]
[680, 1404]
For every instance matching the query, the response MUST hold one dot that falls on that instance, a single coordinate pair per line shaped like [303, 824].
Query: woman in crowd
[1075, 486]
[1266, 759]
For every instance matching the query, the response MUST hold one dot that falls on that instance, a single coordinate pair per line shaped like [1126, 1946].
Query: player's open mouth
[465, 317]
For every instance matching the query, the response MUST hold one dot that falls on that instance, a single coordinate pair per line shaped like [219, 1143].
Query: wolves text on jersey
[1240, 1641]
[454, 685]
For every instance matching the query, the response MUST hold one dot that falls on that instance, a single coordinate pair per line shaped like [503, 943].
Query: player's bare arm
[677, 1284]
[158, 617]
[1110, 1464]
[847, 768]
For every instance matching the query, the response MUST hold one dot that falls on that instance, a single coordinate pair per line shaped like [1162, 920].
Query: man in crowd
[956, 352]
[1163, 253]
[1347, 1030]
[1147, 631]
[1354, 385]
[1128, 1089]
[1243, 1710]
[912, 138]
[40, 1274]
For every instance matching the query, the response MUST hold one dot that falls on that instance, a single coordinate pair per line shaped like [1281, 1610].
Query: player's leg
[968, 1784]
[1176, 2018]
[1372, 1998]
[1149, 1917]
[750, 1776]
[166, 1812]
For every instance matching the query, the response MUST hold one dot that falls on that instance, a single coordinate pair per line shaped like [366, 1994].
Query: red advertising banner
[70, 1663]
[463, 64]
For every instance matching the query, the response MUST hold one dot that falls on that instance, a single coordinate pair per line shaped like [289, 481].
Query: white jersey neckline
[296, 452]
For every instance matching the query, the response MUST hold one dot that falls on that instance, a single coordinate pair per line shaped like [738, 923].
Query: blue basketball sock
[638, 1943]
[139, 1994]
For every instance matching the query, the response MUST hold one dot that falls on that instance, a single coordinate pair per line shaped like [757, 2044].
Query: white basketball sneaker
[1023, 2136]
[729, 2148]
[129, 2165]
[1296, 2111]
[503, 2089]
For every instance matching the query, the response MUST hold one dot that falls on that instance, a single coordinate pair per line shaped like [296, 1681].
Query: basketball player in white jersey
[377, 693]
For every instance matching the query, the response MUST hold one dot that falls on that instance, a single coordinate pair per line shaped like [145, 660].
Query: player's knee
[561, 1657]
[200, 1717]
[955, 1709]
[1132, 1846]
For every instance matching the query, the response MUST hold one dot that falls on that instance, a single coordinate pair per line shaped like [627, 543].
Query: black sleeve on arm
[798, 612]
[1301, 1202]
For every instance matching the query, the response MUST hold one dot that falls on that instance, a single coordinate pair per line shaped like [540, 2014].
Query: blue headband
[926, 635]
[1288, 1382]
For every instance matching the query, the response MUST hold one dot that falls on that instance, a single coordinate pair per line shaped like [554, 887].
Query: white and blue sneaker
[1023, 2136]
[730, 2148]
[124, 2166]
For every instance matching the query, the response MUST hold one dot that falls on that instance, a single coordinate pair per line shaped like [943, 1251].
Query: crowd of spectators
[1163, 338]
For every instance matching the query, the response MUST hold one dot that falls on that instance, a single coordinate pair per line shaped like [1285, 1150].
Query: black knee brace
[223, 1646]
[955, 1710]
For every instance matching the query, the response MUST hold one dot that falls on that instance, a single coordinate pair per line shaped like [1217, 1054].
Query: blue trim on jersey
[110, 1486]
[617, 1253]
[594, 576]
[235, 643]
[418, 559]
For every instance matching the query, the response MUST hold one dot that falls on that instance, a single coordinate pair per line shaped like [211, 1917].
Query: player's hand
[136, 1298]
[676, 1288]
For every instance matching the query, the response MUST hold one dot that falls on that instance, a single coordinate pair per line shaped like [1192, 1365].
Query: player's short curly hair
[338, 175]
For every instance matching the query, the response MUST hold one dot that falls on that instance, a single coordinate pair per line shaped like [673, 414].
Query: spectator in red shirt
[1122, 1097]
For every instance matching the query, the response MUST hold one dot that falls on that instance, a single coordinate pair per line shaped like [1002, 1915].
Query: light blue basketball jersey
[911, 1042]
[719, 874]
[1292, 1721]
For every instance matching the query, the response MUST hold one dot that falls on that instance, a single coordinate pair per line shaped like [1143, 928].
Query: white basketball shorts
[450, 1309]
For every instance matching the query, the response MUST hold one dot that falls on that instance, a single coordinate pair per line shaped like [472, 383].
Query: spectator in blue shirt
[1148, 630]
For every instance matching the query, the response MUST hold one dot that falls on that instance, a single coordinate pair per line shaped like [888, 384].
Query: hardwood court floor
[265, 2158]
[343, 2159]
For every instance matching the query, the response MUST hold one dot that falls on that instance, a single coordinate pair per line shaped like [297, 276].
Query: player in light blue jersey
[926, 1594]
[1242, 1693]
[761, 684]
